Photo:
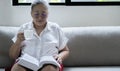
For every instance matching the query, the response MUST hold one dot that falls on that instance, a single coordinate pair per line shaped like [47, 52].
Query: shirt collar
[46, 28]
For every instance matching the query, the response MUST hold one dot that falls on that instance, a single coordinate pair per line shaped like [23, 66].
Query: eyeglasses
[37, 15]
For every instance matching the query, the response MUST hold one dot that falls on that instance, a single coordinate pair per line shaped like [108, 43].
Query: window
[71, 2]
[28, 2]
[52, 1]
[94, 2]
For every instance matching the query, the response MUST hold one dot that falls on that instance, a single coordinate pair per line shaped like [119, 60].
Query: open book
[34, 64]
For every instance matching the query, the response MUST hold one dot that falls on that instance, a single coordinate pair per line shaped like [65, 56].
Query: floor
[2, 70]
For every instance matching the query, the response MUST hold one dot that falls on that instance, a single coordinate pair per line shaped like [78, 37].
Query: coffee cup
[28, 34]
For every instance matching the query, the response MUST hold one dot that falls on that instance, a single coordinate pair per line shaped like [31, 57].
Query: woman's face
[39, 14]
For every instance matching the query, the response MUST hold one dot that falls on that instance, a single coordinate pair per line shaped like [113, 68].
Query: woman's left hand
[58, 58]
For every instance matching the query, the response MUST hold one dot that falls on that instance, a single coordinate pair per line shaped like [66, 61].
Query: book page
[29, 62]
[48, 60]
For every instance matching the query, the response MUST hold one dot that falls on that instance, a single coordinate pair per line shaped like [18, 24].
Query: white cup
[28, 34]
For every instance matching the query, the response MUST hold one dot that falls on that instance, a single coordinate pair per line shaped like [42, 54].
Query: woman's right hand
[16, 47]
[20, 36]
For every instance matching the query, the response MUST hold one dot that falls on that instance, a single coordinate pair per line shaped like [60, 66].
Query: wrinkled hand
[58, 58]
[20, 36]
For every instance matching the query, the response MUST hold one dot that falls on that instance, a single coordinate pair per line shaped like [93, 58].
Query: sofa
[93, 48]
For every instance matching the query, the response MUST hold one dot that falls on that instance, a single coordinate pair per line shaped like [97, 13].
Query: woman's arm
[63, 54]
[16, 47]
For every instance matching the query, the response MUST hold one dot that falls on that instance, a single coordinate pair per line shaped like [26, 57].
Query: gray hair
[36, 2]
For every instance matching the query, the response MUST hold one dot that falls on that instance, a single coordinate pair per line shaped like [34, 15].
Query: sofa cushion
[93, 46]
[6, 33]
[111, 68]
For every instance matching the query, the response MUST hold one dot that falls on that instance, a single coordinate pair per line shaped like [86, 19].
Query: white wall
[65, 16]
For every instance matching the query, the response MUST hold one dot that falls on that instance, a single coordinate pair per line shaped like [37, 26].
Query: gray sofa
[91, 48]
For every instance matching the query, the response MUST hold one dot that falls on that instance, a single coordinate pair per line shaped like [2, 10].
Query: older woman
[48, 38]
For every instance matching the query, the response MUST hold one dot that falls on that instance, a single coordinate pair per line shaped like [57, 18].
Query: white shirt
[50, 41]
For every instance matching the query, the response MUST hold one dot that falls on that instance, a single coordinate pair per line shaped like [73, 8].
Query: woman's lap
[9, 68]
